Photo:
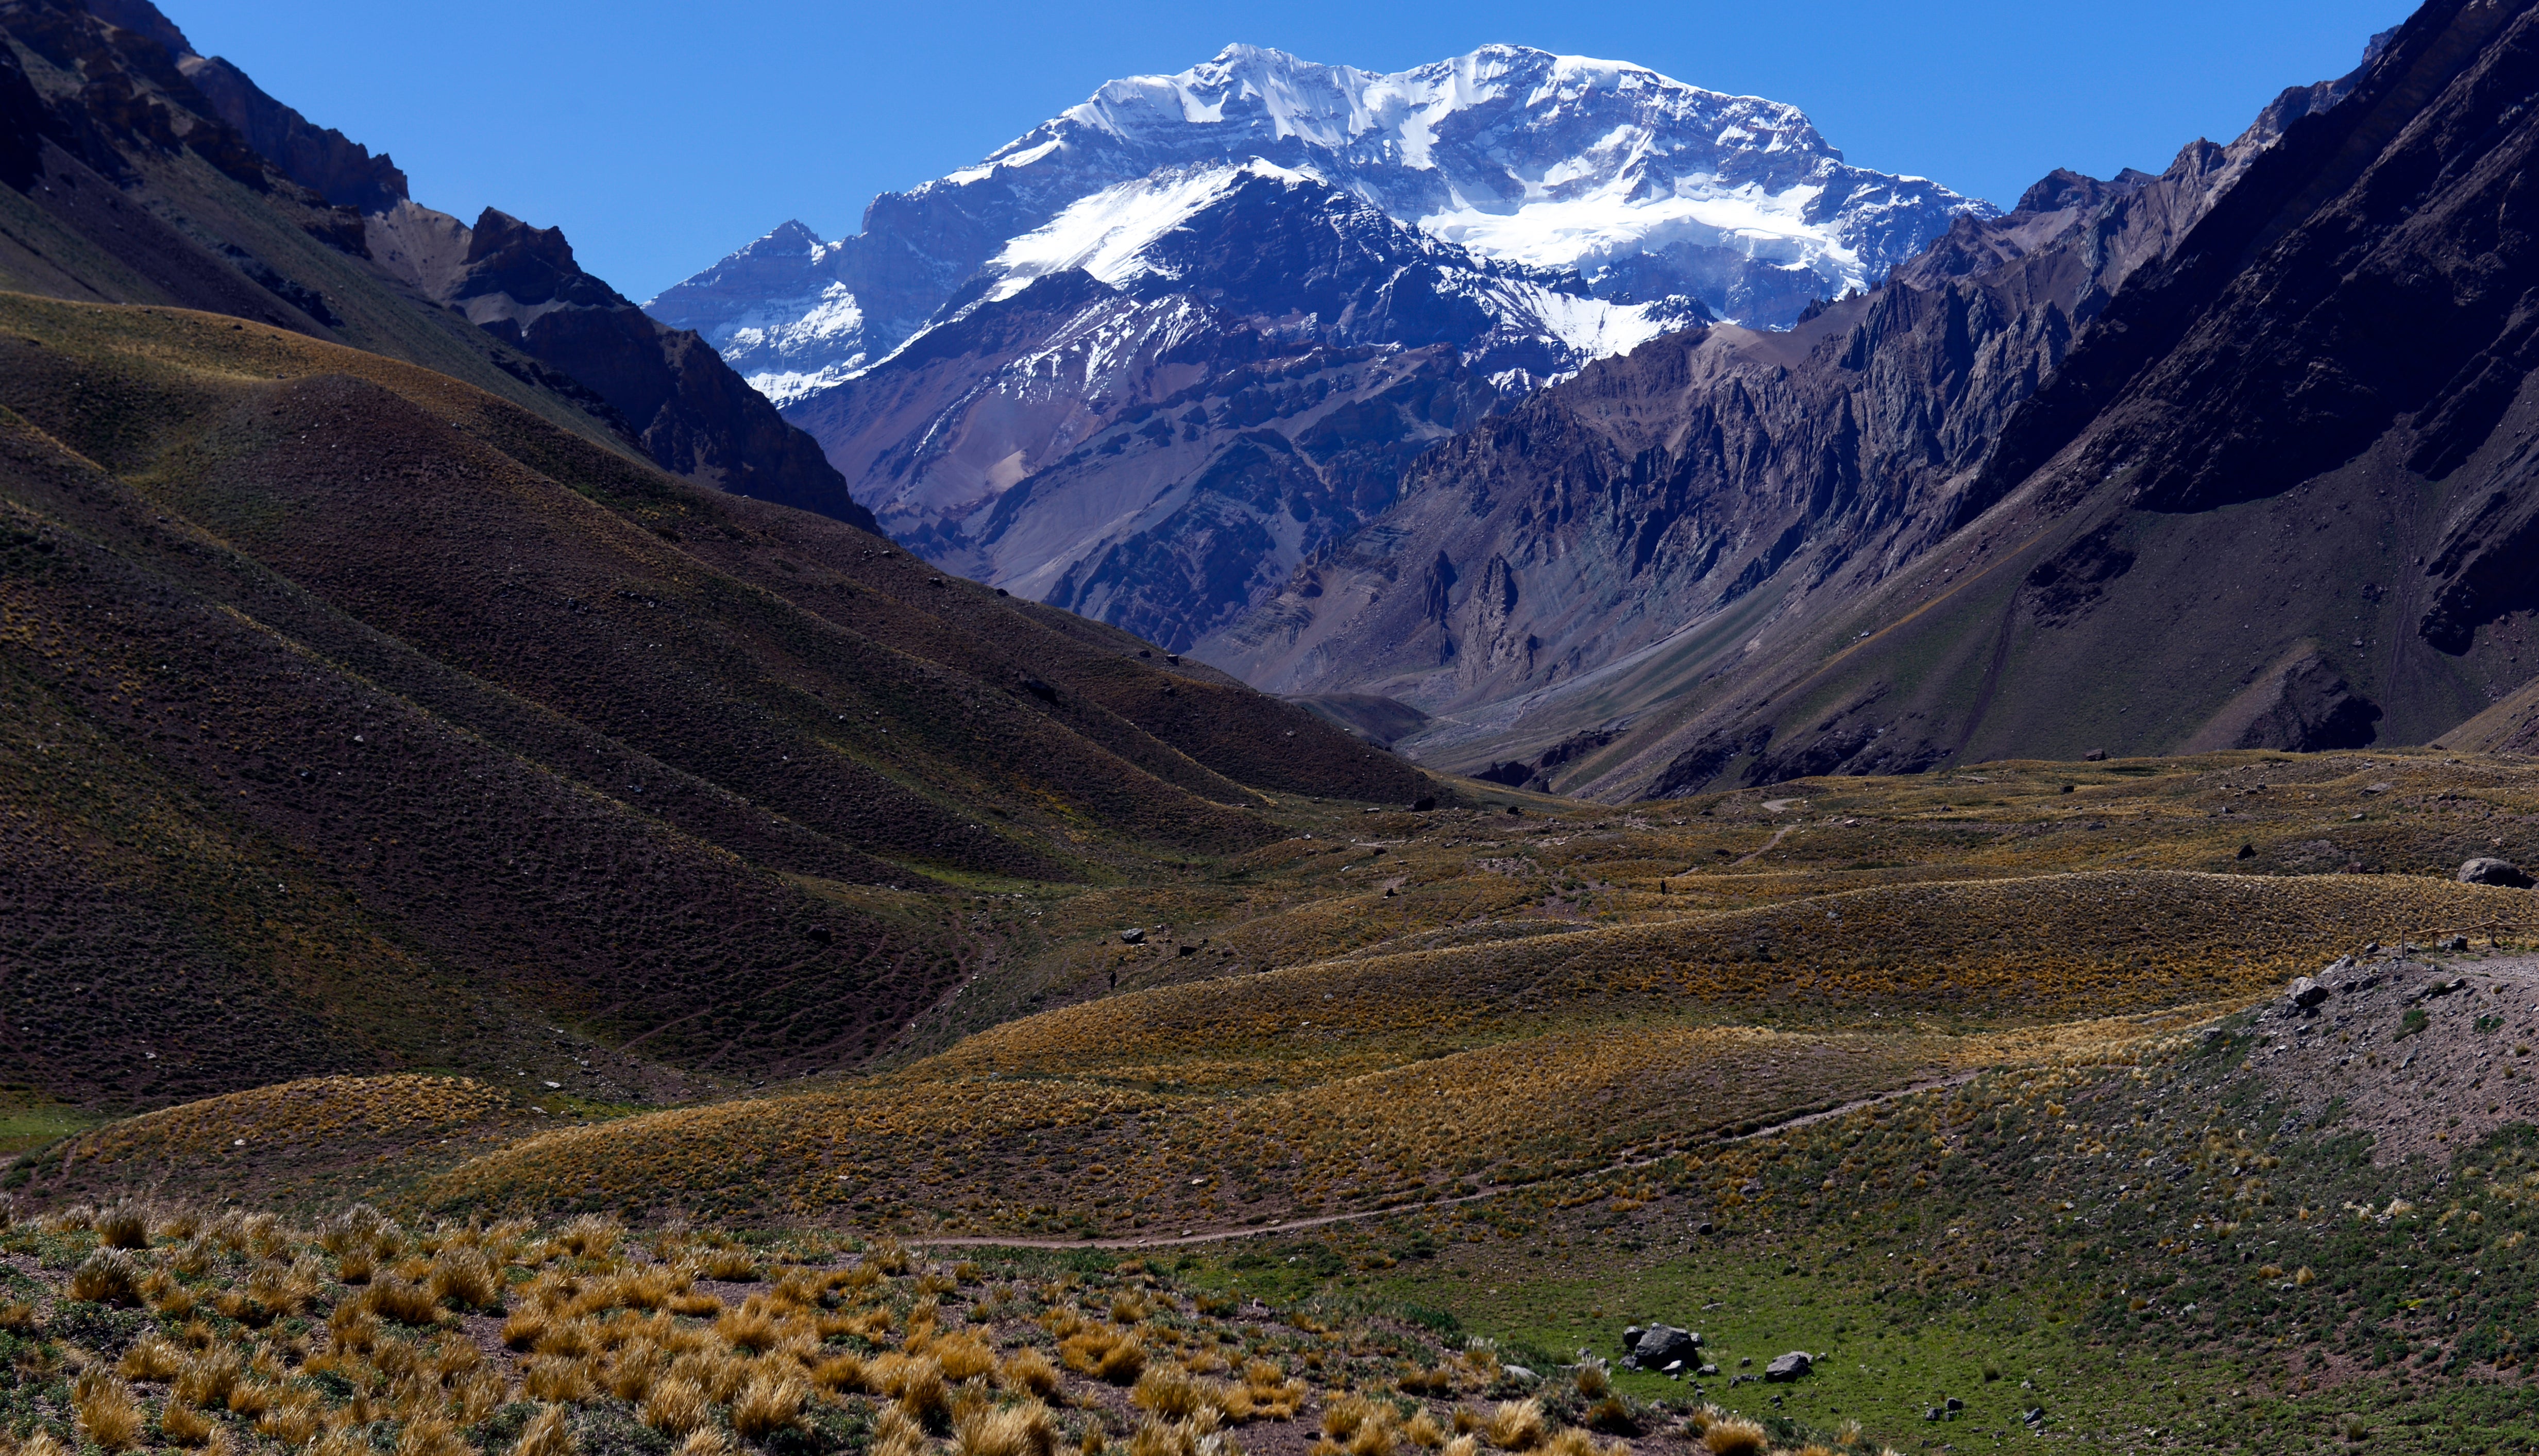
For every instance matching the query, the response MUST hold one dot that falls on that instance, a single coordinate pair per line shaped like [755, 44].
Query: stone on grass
[2494, 872]
[1789, 1367]
[1661, 1344]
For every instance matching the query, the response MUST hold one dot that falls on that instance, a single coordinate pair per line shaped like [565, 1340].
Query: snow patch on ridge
[1108, 234]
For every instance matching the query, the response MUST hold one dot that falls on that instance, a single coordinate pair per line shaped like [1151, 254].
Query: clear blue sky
[663, 133]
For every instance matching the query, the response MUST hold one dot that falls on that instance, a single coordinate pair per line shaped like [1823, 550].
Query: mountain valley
[1482, 762]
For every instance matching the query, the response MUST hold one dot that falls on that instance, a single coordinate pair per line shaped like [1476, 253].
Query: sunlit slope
[1597, 1015]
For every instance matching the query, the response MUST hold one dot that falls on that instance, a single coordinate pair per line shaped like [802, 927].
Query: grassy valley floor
[1986, 1091]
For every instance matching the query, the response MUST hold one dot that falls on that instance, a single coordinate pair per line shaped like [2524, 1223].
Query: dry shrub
[405, 1302]
[1734, 1435]
[732, 1265]
[107, 1412]
[466, 1276]
[842, 1372]
[895, 1433]
[17, 1316]
[251, 1398]
[360, 1226]
[123, 1226]
[707, 1442]
[887, 1256]
[152, 1357]
[1592, 1380]
[1439, 1382]
[108, 1277]
[1424, 1432]
[915, 1382]
[1105, 1352]
[1171, 1393]
[431, 1435]
[1345, 1417]
[630, 1375]
[563, 1381]
[546, 1435]
[571, 1337]
[166, 1297]
[43, 1443]
[1462, 1446]
[208, 1377]
[1024, 1430]
[768, 1405]
[182, 1424]
[294, 1418]
[591, 1236]
[1576, 1442]
[525, 1328]
[676, 1406]
[963, 1356]
[749, 1328]
[1269, 1394]
[1516, 1425]
[1029, 1371]
[1610, 1414]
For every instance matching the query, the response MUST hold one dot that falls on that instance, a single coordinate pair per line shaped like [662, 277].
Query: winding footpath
[1292, 1226]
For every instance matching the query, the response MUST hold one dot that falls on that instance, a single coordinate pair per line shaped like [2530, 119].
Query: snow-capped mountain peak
[1645, 185]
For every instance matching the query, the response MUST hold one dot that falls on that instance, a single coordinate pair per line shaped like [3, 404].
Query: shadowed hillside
[387, 722]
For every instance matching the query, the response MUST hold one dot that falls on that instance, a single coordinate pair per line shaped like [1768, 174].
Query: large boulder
[2494, 872]
[1789, 1367]
[1661, 1345]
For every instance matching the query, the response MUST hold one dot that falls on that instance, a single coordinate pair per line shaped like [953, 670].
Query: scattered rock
[1133, 936]
[1661, 1344]
[2494, 872]
[1955, 1403]
[2457, 943]
[2095, 756]
[1789, 1367]
[1518, 1373]
[1707, 1369]
[2308, 993]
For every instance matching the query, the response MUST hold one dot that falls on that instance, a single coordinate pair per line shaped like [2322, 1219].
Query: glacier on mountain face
[1645, 188]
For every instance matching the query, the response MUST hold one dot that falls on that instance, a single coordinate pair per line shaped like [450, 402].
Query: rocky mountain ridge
[1717, 517]
[140, 170]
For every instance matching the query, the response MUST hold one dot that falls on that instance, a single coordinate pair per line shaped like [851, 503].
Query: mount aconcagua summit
[1641, 186]
[1146, 359]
